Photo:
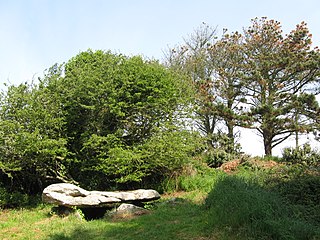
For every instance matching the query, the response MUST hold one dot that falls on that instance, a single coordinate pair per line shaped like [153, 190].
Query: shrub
[16, 199]
[304, 155]
[220, 150]
[161, 156]
[296, 184]
[216, 157]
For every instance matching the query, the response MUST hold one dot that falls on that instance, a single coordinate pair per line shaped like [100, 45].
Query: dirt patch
[4, 215]
[12, 231]
[263, 164]
[232, 166]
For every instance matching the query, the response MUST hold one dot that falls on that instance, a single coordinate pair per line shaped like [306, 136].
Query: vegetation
[281, 71]
[106, 121]
[248, 204]
[259, 79]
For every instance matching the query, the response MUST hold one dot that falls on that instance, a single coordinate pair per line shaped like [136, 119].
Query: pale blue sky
[35, 34]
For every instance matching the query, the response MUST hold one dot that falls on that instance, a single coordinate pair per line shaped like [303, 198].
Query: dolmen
[69, 195]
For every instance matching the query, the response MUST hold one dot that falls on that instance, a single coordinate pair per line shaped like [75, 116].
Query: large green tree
[105, 93]
[101, 120]
[113, 105]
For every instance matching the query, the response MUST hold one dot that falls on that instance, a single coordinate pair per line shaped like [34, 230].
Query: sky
[35, 34]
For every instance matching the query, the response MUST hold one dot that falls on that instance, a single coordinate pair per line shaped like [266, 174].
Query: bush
[299, 186]
[216, 157]
[304, 155]
[164, 155]
[16, 199]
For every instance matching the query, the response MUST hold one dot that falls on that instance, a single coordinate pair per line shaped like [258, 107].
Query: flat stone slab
[69, 195]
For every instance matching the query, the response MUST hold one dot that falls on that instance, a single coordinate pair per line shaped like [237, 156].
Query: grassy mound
[244, 208]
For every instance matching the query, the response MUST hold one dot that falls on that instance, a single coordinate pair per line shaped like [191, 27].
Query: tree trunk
[230, 125]
[267, 149]
[209, 124]
[267, 141]
[230, 147]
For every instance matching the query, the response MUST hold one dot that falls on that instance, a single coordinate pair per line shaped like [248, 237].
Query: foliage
[98, 119]
[112, 94]
[32, 148]
[302, 189]
[258, 79]
[113, 106]
[228, 84]
[193, 60]
[298, 184]
[161, 156]
[304, 155]
[280, 72]
[211, 66]
[223, 149]
[10, 200]
[172, 150]
[16, 199]
[216, 157]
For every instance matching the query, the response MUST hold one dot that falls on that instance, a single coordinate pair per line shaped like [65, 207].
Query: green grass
[167, 222]
[243, 207]
[183, 219]
[209, 205]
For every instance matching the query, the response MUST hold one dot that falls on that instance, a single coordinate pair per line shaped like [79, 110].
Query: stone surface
[135, 195]
[125, 207]
[126, 210]
[69, 195]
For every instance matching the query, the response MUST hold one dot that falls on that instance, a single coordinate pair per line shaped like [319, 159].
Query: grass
[207, 205]
[182, 219]
[165, 223]
[23, 223]
[245, 208]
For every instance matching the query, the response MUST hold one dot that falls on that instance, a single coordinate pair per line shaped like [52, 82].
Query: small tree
[214, 67]
[228, 84]
[193, 61]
